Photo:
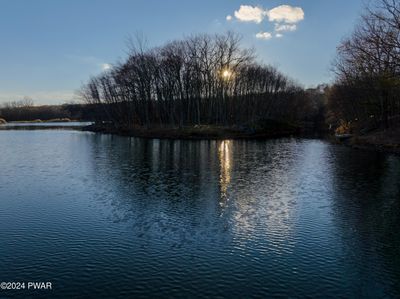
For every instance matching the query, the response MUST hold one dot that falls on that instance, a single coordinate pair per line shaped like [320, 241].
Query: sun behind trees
[201, 80]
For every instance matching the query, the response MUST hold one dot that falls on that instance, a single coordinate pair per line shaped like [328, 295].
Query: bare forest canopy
[25, 110]
[366, 94]
[200, 80]
[213, 80]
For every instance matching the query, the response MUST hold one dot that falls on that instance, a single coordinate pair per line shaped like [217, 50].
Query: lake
[108, 216]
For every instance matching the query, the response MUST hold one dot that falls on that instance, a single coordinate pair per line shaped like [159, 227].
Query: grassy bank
[270, 130]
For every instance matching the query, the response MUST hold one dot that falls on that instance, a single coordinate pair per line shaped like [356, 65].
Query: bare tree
[201, 80]
[368, 67]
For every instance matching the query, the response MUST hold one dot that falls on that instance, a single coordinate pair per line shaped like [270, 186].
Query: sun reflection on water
[225, 161]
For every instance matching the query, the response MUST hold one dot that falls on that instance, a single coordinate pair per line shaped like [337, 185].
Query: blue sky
[49, 48]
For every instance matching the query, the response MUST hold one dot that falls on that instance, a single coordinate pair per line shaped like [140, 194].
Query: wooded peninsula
[209, 86]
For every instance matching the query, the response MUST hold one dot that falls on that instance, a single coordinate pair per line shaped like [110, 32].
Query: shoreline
[194, 132]
[38, 121]
[380, 141]
[368, 142]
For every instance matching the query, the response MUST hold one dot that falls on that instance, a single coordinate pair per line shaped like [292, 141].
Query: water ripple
[105, 216]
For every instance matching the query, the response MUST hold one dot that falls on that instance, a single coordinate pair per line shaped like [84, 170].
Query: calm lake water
[108, 216]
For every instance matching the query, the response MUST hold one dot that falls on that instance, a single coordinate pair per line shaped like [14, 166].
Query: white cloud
[105, 66]
[286, 14]
[285, 27]
[264, 35]
[248, 13]
[284, 17]
[92, 61]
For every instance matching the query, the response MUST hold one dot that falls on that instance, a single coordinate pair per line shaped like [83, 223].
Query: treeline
[367, 89]
[200, 80]
[25, 110]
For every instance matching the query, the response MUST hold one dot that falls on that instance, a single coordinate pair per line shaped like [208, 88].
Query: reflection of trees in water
[175, 193]
[166, 189]
[367, 212]
[154, 167]
[165, 185]
[258, 179]
[339, 204]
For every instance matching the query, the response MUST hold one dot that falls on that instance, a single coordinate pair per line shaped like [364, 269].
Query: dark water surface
[106, 216]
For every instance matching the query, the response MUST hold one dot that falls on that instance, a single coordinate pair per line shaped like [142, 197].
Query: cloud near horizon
[284, 18]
